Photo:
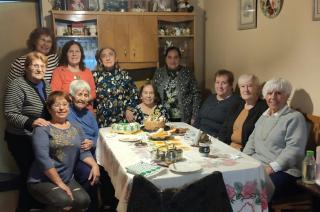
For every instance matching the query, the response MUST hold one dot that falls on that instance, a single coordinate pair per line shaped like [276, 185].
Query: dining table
[248, 186]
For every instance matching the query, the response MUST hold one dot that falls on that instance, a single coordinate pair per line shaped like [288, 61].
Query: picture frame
[247, 14]
[316, 10]
[271, 8]
[78, 5]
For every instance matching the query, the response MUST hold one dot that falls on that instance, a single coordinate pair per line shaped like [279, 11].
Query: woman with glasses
[24, 109]
[40, 40]
[57, 149]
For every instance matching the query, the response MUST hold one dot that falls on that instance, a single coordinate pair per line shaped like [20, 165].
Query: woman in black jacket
[243, 115]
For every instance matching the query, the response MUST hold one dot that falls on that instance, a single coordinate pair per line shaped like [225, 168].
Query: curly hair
[35, 36]
[64, 52]
[100, 66]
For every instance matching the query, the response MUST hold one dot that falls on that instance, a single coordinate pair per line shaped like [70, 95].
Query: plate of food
[178, 130]
[160, 134]
[185, 167]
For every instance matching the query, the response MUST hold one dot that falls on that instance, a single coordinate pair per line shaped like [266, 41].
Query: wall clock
[271, 8]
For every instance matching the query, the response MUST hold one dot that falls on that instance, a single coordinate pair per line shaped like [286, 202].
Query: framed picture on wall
[247, 14]
[316, 10]
[78, 5]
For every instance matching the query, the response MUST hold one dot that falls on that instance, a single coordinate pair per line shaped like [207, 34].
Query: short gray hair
[244, 78]
[279, 84]
[76, 85]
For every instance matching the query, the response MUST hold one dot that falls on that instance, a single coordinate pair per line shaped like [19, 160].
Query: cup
[204, 149]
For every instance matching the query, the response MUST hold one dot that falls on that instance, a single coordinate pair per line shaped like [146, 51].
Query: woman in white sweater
[279, 138]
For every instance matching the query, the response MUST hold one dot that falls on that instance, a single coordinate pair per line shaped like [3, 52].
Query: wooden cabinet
[134, 37]
[139, 39]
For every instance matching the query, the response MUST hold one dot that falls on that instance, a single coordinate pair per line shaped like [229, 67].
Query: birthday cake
[125, 128]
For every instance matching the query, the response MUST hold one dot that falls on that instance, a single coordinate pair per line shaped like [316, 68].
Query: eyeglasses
[59, 105]
[37, 66]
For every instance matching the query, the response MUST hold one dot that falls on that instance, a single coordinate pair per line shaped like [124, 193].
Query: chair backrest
[205, 195]
[314, 132]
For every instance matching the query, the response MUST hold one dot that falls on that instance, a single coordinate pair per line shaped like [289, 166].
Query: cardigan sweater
[23, 105]
[188, 93]
[279, 139]
[17, 68]
[213, 113]
[248, 125]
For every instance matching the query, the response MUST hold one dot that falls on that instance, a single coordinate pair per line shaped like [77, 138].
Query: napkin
[144, 169]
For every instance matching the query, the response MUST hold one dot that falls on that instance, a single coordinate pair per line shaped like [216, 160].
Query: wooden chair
[302, 201]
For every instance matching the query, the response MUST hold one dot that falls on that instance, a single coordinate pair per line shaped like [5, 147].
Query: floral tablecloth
[247, 184]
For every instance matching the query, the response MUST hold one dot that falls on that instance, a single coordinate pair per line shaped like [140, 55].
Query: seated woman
[72, 67]
[279, 138]
[215, 108]
[243, 115]
[80, 93]
[149, 105]
[178, 88]
[57, 148]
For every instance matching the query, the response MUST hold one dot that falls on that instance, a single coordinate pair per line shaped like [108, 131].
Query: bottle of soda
[318, 163]
[309, 168]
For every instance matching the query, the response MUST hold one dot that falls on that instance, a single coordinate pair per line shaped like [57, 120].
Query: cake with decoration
[125, 128]
[154, 121]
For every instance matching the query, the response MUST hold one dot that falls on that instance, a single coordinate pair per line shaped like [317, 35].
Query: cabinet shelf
[76, 36]
[175, 36]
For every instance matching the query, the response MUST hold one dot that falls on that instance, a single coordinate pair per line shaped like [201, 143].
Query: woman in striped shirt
[24, 109]
[40, 40]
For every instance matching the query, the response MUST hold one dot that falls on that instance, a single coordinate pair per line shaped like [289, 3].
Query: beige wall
[17, 20]
[287, 46]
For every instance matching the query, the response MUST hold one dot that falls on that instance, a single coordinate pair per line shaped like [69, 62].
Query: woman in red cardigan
[72, 67]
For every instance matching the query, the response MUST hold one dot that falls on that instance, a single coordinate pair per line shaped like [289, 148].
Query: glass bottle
[318, 163]
[309, 168]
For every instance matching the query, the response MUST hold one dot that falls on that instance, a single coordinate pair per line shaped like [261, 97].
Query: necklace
[268, 125]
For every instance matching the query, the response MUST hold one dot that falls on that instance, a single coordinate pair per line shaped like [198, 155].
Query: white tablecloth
[247, 184]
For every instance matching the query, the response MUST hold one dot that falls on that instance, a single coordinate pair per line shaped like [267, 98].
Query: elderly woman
[80, 93]
[149, 105]
[117, 95]
[40, 40]
[279, 137]
[57, 149]
[215, 108]
[178, 88]
[243, 115]
[72, 67]
[24, 109]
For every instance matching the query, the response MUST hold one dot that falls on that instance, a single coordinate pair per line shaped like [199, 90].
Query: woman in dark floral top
[117, 95]
[178, 88]
[150, 105]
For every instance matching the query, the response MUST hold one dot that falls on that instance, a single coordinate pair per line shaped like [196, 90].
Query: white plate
[317, 182]
[129, 139]
[185, 167]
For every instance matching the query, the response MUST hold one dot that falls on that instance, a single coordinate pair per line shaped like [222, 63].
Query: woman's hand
[40, 122]
[129, 116]
[269, 170]
[94, 175]
[86, 144]
[66, 189]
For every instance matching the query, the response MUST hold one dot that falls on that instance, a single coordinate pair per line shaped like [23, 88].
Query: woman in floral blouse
[117, 95]
[178, 88]
[150, 104]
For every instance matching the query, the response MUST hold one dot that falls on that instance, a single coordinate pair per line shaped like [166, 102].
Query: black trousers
[20, 147]
[57, 199]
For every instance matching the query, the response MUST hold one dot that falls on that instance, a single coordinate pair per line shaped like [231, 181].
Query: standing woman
[24, 109]
[117, 95]
[40, 40]
[243, 115]
[177, 88]
[72, 67]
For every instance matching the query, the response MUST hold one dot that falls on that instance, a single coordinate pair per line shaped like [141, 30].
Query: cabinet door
[143, 38]
[113, 32]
